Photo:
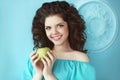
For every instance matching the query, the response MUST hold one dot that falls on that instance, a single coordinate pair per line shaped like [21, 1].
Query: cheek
[66, 31]
[48, 35]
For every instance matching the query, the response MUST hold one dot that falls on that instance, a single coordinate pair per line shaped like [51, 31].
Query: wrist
[37, 76]
[50, 77]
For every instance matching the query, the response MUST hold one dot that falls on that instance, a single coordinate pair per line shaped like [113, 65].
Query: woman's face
[56, 30]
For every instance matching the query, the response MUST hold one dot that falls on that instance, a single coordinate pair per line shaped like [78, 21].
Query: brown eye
[47, 28]
[60, 25]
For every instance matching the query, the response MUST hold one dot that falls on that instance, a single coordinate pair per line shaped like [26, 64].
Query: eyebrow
[57, 24]
[60, 23]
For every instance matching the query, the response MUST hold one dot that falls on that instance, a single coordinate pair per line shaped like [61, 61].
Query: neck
[61, 51]
[62, 48]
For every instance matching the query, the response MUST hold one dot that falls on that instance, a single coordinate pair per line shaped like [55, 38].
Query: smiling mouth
[56, 38]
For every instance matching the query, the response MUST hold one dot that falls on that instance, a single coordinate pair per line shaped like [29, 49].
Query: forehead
[53, 20]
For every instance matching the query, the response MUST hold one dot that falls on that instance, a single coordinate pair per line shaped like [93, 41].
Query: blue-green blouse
[66, 70]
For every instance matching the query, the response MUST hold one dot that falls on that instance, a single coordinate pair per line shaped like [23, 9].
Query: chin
[57, 44]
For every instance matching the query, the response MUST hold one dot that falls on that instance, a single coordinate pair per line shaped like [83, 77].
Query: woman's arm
[48, 62]
[37, 76]
[50, 77]
[37, 64]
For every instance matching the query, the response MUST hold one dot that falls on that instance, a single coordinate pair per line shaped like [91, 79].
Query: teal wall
[16, 41]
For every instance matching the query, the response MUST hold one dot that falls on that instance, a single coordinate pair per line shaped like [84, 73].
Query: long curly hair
[68, 13]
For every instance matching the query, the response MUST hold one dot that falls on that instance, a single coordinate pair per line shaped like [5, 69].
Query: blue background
[16, 41]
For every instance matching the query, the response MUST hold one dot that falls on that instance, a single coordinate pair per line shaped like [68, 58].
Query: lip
[56, 38]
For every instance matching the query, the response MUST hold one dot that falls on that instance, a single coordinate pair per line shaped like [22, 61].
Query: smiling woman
[58, 26]
[57, 31]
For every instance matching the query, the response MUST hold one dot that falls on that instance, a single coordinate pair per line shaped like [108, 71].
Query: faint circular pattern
[101, 24]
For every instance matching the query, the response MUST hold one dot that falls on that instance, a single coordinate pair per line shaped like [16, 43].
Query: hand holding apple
[47, 59]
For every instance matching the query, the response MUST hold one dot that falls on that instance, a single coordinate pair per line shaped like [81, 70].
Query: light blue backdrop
[16, 41]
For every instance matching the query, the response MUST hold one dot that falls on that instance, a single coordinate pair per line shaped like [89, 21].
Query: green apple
[42, 52]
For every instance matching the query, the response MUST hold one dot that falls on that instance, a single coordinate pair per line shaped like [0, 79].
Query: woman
[58, 25]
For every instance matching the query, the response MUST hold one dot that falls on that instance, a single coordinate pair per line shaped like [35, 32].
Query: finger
[53, 53]
[34, 57]
[36, 60]
[46, 58]
[44, 62]
[51, 56]
[33, 53]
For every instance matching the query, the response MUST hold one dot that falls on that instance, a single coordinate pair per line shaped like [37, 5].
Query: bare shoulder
[81, 56]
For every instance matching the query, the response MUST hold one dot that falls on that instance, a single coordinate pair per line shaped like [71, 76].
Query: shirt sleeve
[89, 73]
[28, 72]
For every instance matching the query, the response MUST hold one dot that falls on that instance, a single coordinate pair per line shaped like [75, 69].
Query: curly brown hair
[68, 13]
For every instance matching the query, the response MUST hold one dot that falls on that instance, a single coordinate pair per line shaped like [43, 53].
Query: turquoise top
[66, 70]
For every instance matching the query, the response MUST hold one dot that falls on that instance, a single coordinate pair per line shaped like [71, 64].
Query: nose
[54, 31]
